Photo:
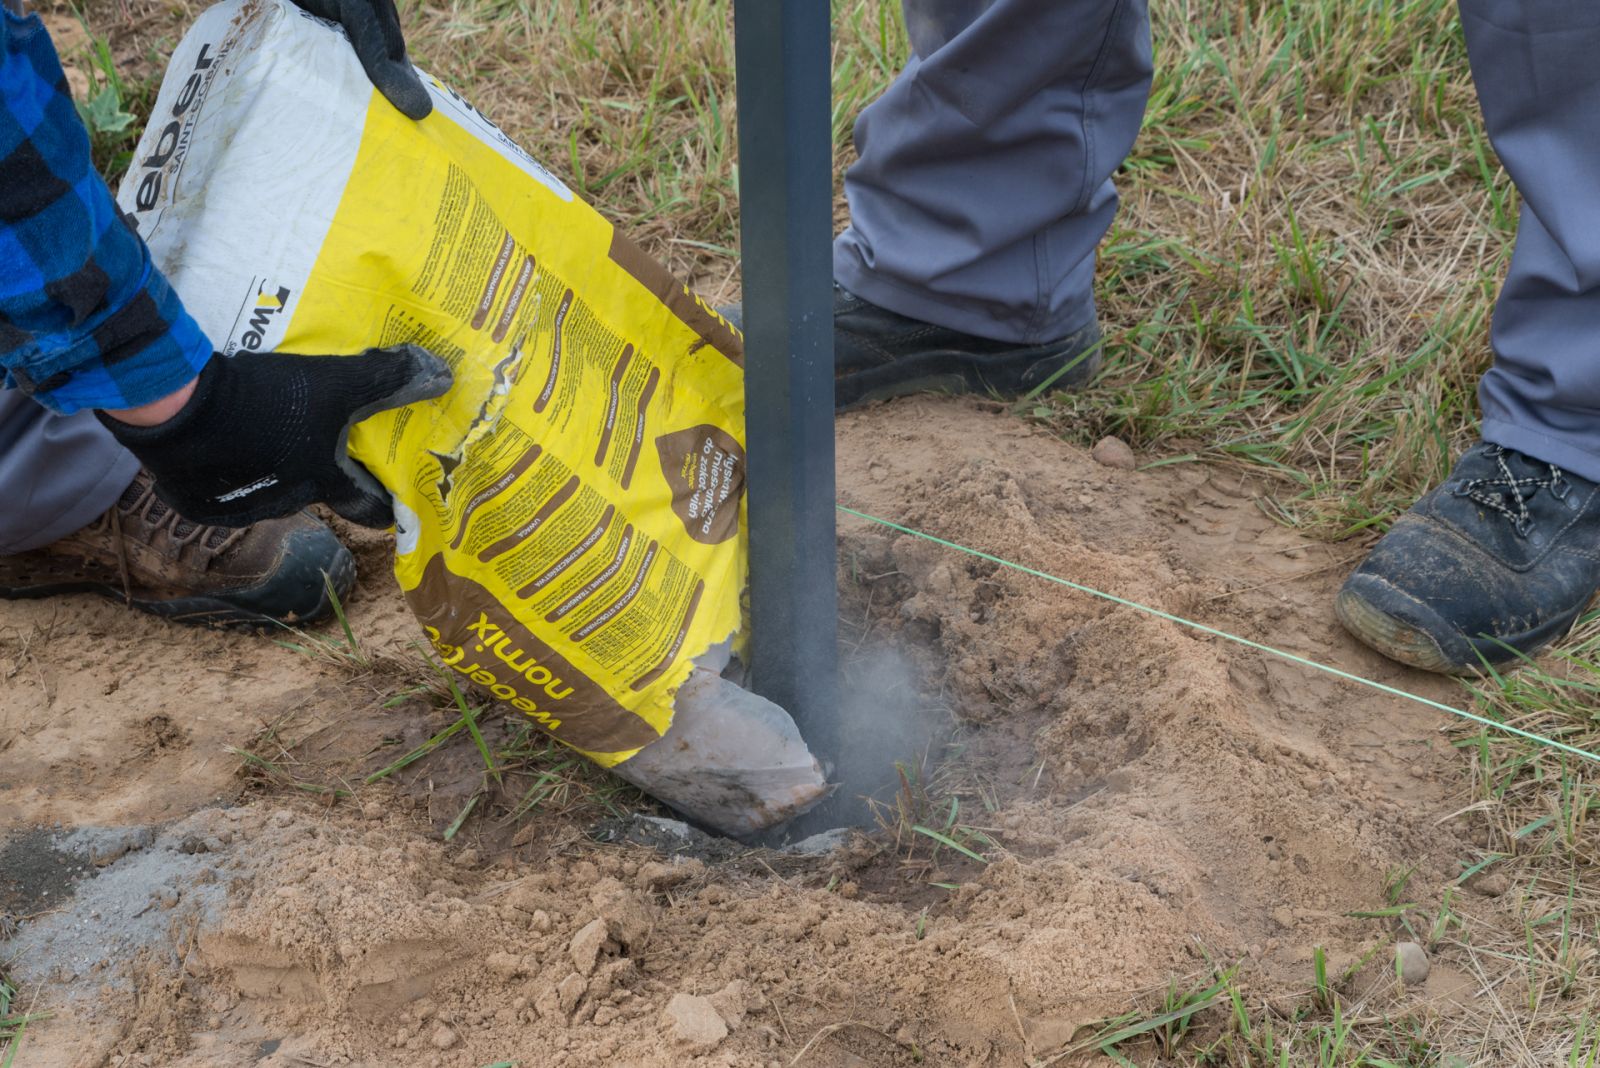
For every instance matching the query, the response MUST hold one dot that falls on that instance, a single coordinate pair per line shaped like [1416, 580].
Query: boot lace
[1509, 493]
[141, 514]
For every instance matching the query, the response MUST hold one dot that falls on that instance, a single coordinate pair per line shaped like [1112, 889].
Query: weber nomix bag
[569, 515]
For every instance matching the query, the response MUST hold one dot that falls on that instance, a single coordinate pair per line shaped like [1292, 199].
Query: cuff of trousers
[953, 313]
[88, 506]
[1577, 453]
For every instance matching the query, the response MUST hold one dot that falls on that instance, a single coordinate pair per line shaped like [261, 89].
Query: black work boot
[1499, 560]
[879, 354]
[147, 555]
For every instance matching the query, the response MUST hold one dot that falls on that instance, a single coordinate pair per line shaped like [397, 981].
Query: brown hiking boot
[144, 553]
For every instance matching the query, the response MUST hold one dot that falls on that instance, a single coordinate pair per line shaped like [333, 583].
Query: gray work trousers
[57, 473]
[984, 185]
[984, 178]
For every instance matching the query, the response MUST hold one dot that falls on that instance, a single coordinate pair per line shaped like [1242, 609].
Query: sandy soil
[1160, 799]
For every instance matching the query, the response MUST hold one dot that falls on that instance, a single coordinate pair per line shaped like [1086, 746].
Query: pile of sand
[1161, 799]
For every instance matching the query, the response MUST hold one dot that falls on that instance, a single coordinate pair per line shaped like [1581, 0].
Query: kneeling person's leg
[58, 473]
[80, 516]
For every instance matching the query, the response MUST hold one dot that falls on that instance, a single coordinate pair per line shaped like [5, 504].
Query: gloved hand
[373, 27]
[264, 434]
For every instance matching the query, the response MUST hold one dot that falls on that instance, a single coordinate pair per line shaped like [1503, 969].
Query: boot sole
[297, 582]
[958, 371]
[955, 372]
[1410, 644]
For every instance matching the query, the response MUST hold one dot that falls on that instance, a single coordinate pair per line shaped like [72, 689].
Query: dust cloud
[887, 721]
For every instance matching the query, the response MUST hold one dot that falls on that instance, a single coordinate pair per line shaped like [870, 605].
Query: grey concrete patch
[133, 892]
[822, 843]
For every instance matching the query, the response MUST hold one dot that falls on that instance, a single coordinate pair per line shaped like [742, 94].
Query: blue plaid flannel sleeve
[86, 320]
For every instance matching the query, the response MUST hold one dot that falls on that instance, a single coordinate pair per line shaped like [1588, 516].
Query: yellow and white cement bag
[570, 515]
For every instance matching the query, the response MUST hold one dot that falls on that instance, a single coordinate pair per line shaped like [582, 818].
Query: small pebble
[505, 965]
[664, 876]
[586, 946]
[733, 1001]
[443, 1037]
[694, 1021]
[1412, 963]
[1114, 452]
[548, 1004]
[372, 810]
[569, 991]
[1489, 884]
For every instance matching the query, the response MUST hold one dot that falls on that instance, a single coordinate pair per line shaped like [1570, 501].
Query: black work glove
[373, 27]
[264, 434]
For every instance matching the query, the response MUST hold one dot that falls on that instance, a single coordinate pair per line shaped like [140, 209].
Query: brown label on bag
[704, 465]
[540, 518]
[555, 353]
[614, 399]
[693, 312]
[491, 288]
[475, 636]
[493, 490]
[637, 441]
[519, 289]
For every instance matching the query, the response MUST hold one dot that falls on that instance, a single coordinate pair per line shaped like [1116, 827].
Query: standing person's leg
[1539, 86]
[1506, 554]
[58, 473]
[984, 179]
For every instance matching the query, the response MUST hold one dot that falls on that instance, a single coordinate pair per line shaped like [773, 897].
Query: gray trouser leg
[57, 473]
[1535, 65]
[984, 178]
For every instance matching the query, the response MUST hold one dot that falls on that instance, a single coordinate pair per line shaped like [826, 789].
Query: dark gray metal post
[783, 65]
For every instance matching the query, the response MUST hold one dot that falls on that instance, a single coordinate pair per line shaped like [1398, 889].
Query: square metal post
[783, 63]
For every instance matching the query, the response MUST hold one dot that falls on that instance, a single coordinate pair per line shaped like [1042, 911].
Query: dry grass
[1300, 281]
[453, 754]
[1301, 277]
